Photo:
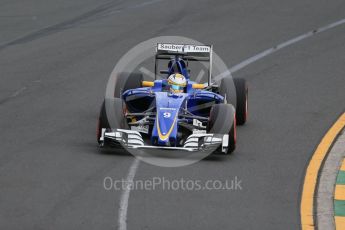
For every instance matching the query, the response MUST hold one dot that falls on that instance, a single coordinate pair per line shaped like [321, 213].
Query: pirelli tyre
[241, 97]
[241, 100]
[222, 120]
[125, 81]
[118, 119]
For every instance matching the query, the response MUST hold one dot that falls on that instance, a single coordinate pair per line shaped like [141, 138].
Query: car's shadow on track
[113, 151]
[216, 157]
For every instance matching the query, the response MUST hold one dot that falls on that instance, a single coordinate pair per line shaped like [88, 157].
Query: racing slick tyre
[118, 117]
[241, 96]
[242, 100]
[222, 120]
[125, 81]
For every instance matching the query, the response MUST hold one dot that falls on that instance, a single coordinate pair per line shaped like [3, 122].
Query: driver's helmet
[177, 83]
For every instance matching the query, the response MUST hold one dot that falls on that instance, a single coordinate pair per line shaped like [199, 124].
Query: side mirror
[147, 83]
[198, 86]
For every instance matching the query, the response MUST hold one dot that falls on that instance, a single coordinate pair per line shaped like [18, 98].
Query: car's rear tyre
[241, 100]
[118, 118]
[241, 88]
[222, 120]
[125, 81]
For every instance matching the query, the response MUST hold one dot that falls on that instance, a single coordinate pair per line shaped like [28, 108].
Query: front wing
[133, 139]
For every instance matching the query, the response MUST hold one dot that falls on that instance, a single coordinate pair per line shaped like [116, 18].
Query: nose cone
[165, 127]
[166, 123]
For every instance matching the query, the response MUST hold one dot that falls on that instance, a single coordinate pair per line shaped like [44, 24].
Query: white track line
[280, 46]
[122, 220]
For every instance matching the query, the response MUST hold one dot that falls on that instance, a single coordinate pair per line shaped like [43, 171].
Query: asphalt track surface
[55, 60]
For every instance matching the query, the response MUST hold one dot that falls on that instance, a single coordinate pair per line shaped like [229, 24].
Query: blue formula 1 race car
[174, 112]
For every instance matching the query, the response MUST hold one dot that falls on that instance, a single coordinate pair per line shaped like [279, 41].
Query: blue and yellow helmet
[177, 83]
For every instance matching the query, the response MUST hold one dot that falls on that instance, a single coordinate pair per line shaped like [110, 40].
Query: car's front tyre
[117, 119]
[222, 120]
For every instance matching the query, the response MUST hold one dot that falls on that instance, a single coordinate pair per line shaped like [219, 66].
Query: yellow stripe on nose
[164, 137]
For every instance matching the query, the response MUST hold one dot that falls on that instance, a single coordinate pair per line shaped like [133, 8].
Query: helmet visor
[176, 87]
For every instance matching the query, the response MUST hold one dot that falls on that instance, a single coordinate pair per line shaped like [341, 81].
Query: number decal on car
[166, 115]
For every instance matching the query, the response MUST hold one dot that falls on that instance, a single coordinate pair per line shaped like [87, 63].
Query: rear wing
[201, 53]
